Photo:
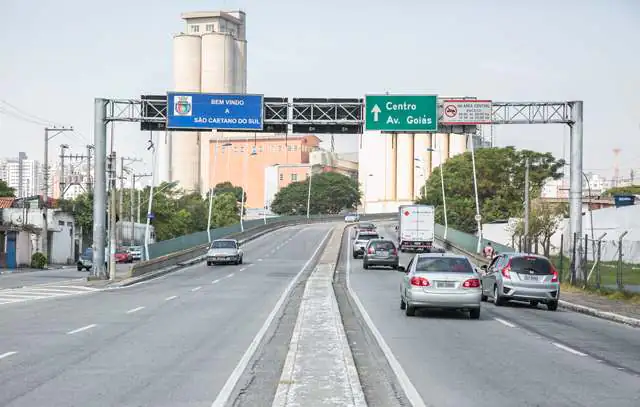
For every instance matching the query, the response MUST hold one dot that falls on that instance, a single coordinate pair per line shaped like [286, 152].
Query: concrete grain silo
[241, 66]
[421, 146]
[185, 149]
[218, 75]
[457, 144]
[405, 167]
[441, 146]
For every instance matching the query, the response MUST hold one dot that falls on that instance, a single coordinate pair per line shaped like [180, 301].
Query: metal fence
[608, 264]
[468, 241]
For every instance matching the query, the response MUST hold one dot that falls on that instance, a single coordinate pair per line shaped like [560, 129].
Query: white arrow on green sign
[401, 113]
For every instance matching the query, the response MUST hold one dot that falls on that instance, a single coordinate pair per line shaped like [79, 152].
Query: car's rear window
[223, 244]
[368, 237]
[384, 245]
[366, 226]
[443, 264]
[528, 264]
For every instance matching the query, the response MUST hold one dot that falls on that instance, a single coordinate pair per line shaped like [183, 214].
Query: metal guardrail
[187, 254]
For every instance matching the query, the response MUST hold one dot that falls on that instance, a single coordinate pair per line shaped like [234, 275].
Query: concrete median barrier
[153, 268]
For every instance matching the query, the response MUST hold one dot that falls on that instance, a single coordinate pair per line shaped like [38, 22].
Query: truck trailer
[416, 227]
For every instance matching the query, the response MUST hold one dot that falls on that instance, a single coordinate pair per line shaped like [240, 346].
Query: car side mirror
[381, 237]
[483, 267]
[402, 269]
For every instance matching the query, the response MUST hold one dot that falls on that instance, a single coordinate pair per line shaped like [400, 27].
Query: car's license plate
[446, 284]
[530, 277]
[382, 253]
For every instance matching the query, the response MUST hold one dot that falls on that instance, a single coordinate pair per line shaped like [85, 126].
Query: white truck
[416, 227]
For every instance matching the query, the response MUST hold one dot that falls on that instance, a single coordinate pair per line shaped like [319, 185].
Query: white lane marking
[196, 289]
[243, 269]
[568, 349]
[222, 278]
[230, 275]
[250, 265]
[506, 323]
[7, 354]
[259, 259]
[409, 389]
[132, 310]
[225, 392]
[216, 281]
[173, 297]
[84, 328]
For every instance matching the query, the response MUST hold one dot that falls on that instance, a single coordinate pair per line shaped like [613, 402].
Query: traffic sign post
[214, 111]
[466, 112]
[401, 113]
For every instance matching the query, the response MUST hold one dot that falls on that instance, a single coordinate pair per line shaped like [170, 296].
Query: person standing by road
[488, 251]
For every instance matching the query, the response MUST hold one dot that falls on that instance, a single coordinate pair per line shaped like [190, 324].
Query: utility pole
[45, 169]
[120, 238]
[112, 215]
[100, 185]
[135, 177]
[526, 206]
[63, 147]
[89, 185]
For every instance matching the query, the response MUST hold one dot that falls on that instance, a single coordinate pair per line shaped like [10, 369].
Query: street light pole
[444, 197]
[215, 161]
[147, 232]
[309, 192]
[475, 187]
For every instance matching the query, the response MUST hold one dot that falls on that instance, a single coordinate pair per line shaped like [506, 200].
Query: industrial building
[394, 167]
[210, 56]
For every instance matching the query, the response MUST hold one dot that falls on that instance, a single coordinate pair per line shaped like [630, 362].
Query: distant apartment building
[23, 175]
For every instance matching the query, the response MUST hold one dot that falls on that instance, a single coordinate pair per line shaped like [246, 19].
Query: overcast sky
[56, 56]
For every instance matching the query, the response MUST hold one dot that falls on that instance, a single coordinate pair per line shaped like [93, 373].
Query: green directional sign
[401, 113]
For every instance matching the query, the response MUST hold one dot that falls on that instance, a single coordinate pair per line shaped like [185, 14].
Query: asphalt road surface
[54, 276]
[173, 341]
[513, 356]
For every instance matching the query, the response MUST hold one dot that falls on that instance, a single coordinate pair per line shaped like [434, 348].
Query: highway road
[513, 356]
[180, 340]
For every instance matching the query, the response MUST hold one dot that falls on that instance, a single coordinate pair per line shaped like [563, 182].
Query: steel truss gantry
[338, 111]
[336, 116]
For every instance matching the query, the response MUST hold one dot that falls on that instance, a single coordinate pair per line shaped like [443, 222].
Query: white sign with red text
[466, 112]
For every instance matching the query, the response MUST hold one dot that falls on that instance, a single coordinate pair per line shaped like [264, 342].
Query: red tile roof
[6, 202]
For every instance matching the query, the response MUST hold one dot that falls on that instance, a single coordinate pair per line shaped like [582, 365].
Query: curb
[610, 316]
[150, 276]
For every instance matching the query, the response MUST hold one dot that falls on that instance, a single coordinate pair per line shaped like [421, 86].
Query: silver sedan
[224, 251]
[440, 280]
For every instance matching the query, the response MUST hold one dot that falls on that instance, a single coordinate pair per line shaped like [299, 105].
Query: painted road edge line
[568, 349]
[224, 394]
[84, 328]
[136, 309]
[7, 354]
[506, 323]
[173, 297]
[409, 389]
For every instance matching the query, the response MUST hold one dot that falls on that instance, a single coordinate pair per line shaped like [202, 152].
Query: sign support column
[100, 186]
[575, 190]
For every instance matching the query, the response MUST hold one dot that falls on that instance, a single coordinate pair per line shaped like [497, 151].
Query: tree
[6, 191]
[82, 209]
[331, 193]
[500, 175]
[224, 210]
[544, 220]
[629, 190]
[224, 187]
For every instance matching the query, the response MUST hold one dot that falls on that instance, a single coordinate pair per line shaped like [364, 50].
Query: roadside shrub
[38, 260]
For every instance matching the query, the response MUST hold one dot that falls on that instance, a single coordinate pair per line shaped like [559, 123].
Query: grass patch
[629, 297]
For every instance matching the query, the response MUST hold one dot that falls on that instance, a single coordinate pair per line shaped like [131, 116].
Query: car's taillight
[371, 251]
[554, 279]
[394, 251]
[471, 283]
[420, 282]
[506, 272]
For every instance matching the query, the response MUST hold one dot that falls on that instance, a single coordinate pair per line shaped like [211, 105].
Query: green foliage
[6, 191]
[38, 260]
[544, 219]
[331, 193]
[175, 213]
[630, 190]
[225, 210]
[224, 187]
[500, 175]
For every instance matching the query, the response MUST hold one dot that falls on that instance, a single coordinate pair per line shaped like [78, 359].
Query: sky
[57, 56]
